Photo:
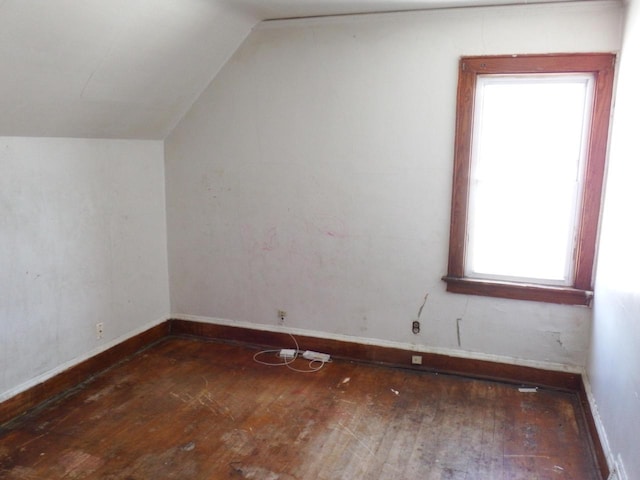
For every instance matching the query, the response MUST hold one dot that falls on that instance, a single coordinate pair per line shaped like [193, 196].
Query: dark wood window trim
[601, 65]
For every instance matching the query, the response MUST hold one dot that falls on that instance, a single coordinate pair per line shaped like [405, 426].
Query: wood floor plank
[189, 409]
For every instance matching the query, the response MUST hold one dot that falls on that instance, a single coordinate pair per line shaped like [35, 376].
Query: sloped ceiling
[109, 68]
[132, 68]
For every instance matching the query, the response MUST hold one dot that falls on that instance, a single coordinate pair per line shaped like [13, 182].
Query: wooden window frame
[601, 65]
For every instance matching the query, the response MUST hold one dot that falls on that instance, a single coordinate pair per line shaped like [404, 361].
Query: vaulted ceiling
[132, 68]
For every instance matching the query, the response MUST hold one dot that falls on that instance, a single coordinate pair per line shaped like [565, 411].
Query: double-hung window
[530, 148]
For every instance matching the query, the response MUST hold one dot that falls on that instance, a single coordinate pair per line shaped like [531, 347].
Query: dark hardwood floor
[190, 409]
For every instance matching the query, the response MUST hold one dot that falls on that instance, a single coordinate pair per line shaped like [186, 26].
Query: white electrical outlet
[416, 359]
[99, 330]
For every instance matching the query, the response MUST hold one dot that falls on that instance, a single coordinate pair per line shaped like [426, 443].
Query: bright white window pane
[528, 147]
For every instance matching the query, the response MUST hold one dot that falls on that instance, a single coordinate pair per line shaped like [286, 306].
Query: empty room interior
[337, 239]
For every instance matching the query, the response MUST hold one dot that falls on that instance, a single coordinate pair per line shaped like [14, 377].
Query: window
[530, 147]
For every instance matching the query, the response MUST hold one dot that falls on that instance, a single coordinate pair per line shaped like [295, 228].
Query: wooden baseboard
[592, 430]
[51, 388]
[396, 357]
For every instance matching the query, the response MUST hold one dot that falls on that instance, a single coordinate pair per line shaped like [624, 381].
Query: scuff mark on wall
[327, 225]
[557, 338]
[459, 321]
[426, 295]
[363, 324]
[466, 306]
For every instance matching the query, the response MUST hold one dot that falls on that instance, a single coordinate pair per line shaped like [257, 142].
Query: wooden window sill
[519, 291]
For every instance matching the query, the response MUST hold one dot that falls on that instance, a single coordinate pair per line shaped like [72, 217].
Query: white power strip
[319, 357]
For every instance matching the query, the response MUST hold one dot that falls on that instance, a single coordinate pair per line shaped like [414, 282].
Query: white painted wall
[314, 176]
[614, 364]
[82, 236]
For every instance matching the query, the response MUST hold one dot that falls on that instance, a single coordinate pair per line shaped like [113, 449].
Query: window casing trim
[601, 65]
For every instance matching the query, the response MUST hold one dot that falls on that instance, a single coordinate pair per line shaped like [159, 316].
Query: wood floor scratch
[209, 411]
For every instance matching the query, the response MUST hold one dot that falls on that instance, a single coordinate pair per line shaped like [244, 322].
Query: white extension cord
[288, 355]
